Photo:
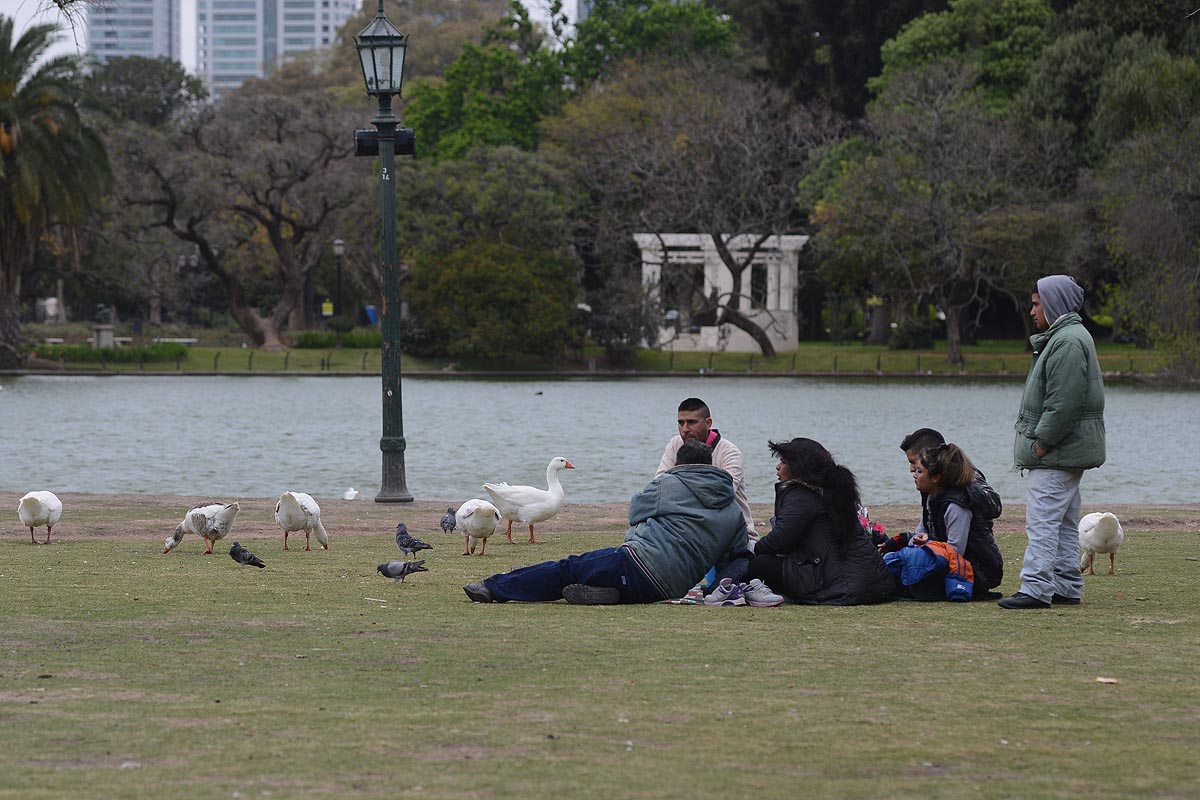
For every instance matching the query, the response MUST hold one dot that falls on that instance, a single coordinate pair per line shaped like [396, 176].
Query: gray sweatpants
[1051, 563]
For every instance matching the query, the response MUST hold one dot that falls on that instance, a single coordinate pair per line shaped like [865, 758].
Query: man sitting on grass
[682, 523]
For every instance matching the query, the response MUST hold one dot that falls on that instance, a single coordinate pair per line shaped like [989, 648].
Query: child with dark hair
[816, 552]
[944, 476]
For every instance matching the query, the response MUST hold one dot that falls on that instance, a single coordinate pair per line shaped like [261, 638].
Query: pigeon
[244, 556]
[409, 545]
[448, 521]
[401, 569]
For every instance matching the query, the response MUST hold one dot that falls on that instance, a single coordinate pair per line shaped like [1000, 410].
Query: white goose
[1099, 532]
[297, 511]
[477, 519]
[530, 504]
[37, 509]
[211, 522]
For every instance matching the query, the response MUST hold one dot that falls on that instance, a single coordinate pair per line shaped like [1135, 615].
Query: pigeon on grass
[448, 521]
[244, 556]
[399, 570]
[409, 545]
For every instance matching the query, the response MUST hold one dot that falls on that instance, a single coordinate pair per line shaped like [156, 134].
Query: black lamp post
[381, 50]
[339, 249]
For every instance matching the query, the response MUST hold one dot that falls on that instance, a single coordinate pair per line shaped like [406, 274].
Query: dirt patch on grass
[155, 517]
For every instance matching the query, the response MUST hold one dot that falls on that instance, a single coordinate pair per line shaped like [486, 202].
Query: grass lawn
[132, 674]
[1007, 357]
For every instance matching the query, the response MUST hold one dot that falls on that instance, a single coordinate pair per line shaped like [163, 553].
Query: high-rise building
[147, 28]
[241, 39]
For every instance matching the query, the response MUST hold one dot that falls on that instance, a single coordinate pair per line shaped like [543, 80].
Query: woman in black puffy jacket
[817, 553]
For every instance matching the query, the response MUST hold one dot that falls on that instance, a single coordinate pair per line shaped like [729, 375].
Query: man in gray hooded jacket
[1060, 433]
[682, 523]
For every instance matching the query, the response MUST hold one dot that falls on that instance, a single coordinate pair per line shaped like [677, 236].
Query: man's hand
[1039, 451]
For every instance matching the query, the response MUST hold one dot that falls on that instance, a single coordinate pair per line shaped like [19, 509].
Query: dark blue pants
[610, 567]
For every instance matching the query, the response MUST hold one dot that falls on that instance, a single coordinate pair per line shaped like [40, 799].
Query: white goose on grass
[210, 521]
[477, 519]
[297, 511]
[37, 509]
[529, 504]
[1099, 532]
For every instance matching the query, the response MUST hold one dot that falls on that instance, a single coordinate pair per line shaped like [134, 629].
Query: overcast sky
[30, 12]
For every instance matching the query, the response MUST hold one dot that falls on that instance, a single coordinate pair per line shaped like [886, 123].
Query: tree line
[942, 155]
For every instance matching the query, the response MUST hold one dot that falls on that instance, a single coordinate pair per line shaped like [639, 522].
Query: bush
[314, 340]
[362, 338]
[912, 334]
[162, 351]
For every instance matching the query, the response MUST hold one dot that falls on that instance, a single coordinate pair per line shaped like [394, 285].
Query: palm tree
[53, 166]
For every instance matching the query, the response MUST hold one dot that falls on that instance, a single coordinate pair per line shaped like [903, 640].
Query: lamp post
[381, 50]
[339, 249]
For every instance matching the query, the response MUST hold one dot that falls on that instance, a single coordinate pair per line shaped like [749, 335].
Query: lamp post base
[394, 488]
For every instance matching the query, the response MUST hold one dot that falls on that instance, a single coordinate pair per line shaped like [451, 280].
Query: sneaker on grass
[727, 593]
[758, 594]
[580, 594]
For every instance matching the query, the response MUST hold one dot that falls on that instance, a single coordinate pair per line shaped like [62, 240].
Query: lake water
[257, 436]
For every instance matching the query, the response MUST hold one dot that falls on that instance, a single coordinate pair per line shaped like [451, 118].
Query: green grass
[130, 674]
[986, 358]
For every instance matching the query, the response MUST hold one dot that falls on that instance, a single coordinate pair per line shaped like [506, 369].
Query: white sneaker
[757, 594]
[727, 593]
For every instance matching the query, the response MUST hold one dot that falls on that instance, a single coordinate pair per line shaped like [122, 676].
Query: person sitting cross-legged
[682, 523]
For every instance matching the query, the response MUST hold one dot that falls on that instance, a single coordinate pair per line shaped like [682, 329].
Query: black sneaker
[1022, 600]
[580, 594]
[1063, 600]
[479, 593]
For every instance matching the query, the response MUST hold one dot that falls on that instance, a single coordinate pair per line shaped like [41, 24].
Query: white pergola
[774, 269]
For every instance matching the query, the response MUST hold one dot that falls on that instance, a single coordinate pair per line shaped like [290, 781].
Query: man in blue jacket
[682, 523]
[1060, 433]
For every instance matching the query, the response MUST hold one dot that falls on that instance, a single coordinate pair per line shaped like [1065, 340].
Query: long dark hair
[810, 463]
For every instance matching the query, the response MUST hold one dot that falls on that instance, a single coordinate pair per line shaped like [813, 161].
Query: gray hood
[1060, 295]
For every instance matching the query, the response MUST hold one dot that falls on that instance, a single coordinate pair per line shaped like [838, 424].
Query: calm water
[255, 437]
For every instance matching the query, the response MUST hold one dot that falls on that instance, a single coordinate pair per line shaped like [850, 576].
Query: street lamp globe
[381, 47]
[339, 248]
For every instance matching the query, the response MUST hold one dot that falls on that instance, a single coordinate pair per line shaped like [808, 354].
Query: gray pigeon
[409, 545]
[401, 569]
[244, 556]
[448, 521]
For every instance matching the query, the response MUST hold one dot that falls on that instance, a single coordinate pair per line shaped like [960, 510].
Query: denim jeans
[610, 567]
[1051, 564]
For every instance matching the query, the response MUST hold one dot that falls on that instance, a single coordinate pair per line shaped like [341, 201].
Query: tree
[998, 38]
[951, 200]
[1152, 213]
[149, 91]
[824, 51]
[492, 301]
[692, 148]
[53, 165]
[259, 186]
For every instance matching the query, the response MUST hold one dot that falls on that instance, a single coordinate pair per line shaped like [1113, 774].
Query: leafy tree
[259, 186]
[495, 93]
[616, 30]
[691, 148]
[999, 38]
[149, 91]
[491, 301]
[1152, 213]
[951, 201]
[53, 165]
[1145, 87]
[825, 50]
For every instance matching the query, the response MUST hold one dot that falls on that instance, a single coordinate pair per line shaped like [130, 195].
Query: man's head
[918, 440]
[1056, 295]
[695, 422]
[693, 453]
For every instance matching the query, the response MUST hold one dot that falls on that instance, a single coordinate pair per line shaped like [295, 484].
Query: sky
[31, 12]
